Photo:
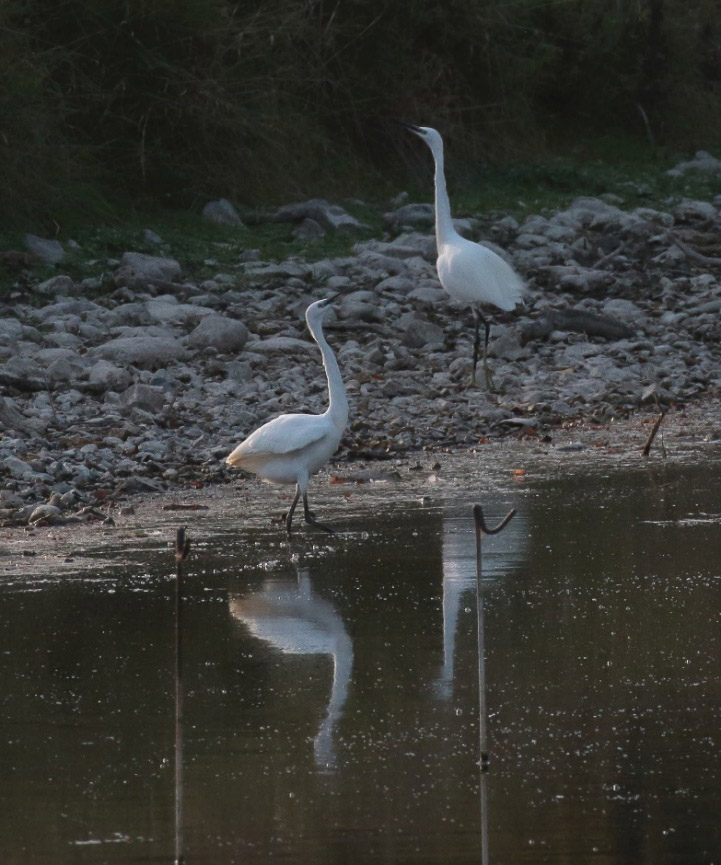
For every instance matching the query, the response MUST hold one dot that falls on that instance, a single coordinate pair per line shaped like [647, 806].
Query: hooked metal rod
[483, 529]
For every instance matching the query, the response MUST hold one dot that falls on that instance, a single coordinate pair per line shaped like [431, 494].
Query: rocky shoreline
[142, 380]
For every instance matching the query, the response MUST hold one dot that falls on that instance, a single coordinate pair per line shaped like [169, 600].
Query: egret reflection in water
[288, 615]
[501, 554]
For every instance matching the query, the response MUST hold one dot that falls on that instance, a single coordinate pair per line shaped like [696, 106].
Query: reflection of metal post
[484, 817]
[182, 548]
[482, 529]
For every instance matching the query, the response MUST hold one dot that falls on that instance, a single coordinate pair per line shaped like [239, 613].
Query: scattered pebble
[144, 388]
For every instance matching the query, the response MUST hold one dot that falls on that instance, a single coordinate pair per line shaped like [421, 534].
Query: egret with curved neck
[469, 272]
[291, 448]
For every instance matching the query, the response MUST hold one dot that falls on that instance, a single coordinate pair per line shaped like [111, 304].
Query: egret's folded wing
[473, 273]
[504, 286]
[289, 432]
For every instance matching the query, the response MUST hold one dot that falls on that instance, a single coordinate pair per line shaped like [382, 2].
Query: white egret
[294, 619]
[291, 448]
[470, 273]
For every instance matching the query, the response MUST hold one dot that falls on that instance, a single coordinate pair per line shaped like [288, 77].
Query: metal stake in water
[482, 529]
[182, 548]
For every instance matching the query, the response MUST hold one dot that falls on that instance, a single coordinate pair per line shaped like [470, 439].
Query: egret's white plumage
[290, 616]
[293, 447]
[469, 272]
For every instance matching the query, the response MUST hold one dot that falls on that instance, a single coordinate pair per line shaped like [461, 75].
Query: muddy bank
[140, 381]
[141, 530]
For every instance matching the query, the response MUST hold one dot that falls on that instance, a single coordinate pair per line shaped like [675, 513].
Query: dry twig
[647, 449]
[694, 254]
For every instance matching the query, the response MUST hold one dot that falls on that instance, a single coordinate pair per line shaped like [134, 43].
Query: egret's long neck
[444, 222]
[338, 402]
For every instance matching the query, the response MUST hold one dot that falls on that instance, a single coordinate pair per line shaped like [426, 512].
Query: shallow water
[331, 709]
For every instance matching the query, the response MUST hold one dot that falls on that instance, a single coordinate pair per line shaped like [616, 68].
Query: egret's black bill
[411, 128]
[347, 290]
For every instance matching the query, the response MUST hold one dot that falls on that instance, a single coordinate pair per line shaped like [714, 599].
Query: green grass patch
[205, 249]
[639, 180]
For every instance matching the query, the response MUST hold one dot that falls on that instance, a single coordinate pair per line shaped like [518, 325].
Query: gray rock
[330, 216]
[9, 499]
[237, 370]
[63, 340]
[584, 388]
[56, 285]
[528, 240]
[412, 214]
[137, 269]
[144, 397]
[11, 329]
[170, 312]
[49, 355]
[578, 352]
[356, 307]
[219, 332]
[408, 245]
[222, 212]
[399, 200]
[420, 332]
[592, 213]
[374, 357]
[262, 272]
[309, 229]
[281, 344]
[505, 345]
[466, 227]
[127, 315]
[623, 310]
[104, 376]
[430, 294]
[17, 468]
[12, 419]
[44, 513]
[144, 351]
[396, 283]
[375, 266]
[694, 211]
[711, 306]
[702, 161]
[62, 370]
[578, 278]
[24, 367]
[49, 251]
[149, 236]
[648, 214]
[507, 226]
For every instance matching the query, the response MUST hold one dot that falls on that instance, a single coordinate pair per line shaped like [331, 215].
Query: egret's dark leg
[309, 518]
[476, 343]
[289, 515]
[479, 319]
[486, 370]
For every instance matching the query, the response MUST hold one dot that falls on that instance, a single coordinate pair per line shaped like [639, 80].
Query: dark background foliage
[147, 102]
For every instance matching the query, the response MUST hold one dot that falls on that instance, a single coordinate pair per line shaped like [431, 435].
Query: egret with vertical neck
[291, 448]
[470, 273]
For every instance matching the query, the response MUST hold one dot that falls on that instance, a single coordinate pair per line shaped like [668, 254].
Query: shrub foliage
[177, 100]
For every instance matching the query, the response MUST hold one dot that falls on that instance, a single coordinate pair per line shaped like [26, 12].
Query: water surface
[332, 689]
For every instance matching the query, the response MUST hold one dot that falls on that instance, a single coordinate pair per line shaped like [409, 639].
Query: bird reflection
[501, 553]
[288, 615]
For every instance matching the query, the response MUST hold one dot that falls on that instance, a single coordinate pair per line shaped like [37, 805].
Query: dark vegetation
[112, 105]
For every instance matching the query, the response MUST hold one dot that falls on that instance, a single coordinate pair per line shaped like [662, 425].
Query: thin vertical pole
[179, 715]
[182, 548]
[482, 703]
[482, 529]
[484, 818]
